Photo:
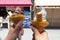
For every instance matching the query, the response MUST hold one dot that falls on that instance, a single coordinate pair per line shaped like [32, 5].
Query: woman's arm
[14, 32]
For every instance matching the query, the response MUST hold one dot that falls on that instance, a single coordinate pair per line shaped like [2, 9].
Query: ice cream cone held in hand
[39, 23]
[17, 16]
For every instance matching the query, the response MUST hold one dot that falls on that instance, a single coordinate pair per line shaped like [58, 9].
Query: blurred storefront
[8, 6]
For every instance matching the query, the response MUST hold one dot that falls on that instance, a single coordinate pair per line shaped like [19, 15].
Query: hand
[38, 36]
[14, 32]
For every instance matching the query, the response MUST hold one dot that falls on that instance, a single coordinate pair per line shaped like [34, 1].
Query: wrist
[9, 38]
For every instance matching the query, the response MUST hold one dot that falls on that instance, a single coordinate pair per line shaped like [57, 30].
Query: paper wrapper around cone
[16, 19]
[39, 24]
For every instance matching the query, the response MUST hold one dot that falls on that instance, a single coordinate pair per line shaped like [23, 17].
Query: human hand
[39, 36]
[14, 32]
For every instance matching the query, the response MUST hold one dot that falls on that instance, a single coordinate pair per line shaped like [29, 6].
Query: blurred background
[51, 10]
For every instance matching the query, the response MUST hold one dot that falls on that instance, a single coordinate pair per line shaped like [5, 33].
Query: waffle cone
[16, 19]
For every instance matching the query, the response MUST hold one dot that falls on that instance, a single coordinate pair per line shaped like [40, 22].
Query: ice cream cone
[15, 19]
[38, 23]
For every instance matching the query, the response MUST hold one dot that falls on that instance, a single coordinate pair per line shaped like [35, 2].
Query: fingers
[45, 33]
[20, 34]
[18, 27]
[35, 30]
